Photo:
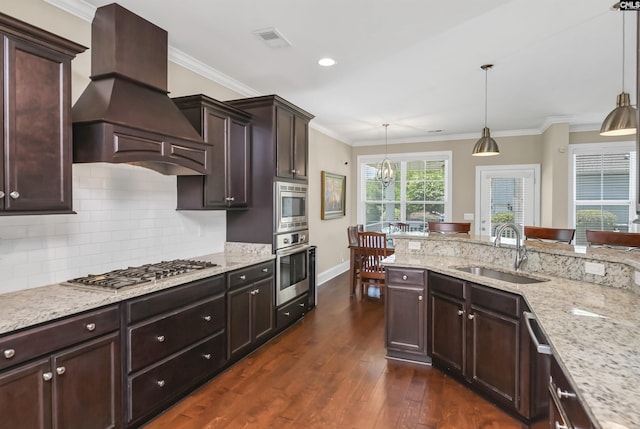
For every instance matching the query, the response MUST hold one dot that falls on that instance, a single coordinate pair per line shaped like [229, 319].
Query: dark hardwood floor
[329, 371]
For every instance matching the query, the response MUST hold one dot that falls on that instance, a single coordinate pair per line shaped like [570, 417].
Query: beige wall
[554, 207]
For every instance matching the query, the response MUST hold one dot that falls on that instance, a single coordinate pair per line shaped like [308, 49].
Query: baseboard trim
[332, 272]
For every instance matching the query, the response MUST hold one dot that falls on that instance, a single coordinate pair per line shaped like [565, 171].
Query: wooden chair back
[450, 227]
[373, 249]
[562, 235]
[399, 227]
[612, 238]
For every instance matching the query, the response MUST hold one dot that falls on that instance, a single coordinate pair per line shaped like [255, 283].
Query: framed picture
[334, 187]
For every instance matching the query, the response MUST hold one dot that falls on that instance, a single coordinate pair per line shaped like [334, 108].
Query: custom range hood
[125, 115]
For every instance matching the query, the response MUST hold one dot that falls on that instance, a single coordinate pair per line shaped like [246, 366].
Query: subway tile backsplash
[125, 217]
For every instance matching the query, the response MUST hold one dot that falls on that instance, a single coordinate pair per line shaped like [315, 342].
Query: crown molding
[577, 128]
[79, 8]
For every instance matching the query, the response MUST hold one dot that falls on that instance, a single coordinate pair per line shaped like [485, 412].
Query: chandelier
[385, 171]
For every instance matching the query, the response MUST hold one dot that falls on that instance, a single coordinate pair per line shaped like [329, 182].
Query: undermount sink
[501, 275]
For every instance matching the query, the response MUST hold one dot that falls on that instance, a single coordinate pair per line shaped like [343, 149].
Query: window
[419, 194]
[603, 188]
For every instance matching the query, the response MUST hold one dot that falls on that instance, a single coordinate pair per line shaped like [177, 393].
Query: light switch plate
[468, 216]
[414, 245]
[594, 268]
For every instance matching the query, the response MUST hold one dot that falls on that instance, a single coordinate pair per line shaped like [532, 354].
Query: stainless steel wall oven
[292, 265]
[291, 206]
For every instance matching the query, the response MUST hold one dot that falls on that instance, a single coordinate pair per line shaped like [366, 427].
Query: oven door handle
[291, 251]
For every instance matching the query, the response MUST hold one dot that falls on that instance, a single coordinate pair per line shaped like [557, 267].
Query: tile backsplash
[125, 217]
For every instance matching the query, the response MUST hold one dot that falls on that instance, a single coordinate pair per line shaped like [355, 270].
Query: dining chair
[373, 249]
[352, 234]
[560, 235]
[450, 227]
[613, 238]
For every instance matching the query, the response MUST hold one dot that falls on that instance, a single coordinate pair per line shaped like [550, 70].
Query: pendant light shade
[622, 120]
[486, 145]
[385, 171]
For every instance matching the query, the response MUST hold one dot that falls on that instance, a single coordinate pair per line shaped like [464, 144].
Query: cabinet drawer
[28, 344]
[405, 276]
[151, 389]
[568, 402]
[446, 285]
[492, 299]
[248, 275]
[292, 311]
[179, 296]
[155, 339]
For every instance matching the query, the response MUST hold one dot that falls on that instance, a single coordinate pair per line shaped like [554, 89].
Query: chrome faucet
[521, 249]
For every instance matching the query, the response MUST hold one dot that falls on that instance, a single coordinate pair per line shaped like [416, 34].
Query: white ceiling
[414, 64]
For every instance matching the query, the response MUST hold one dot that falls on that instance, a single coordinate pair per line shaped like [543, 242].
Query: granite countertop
[30, 307]
[594, 332]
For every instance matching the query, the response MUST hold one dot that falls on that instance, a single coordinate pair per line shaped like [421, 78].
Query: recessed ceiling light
[327, 62]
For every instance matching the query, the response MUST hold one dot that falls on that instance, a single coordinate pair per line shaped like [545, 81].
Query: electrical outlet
[594, 268]
[468, 216]
[414, 245]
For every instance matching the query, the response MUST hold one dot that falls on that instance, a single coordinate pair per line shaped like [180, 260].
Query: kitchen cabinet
[175, 339]
[406, 314]
[292, 143]
[289, 313]
[35, 165]
[65, 374]
[251, 308]
[229, 131]
[566, 408]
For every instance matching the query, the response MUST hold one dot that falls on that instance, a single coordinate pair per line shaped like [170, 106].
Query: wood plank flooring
[329, 371]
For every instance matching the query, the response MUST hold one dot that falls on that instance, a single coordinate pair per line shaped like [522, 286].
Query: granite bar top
[594, 332]
[25, 308]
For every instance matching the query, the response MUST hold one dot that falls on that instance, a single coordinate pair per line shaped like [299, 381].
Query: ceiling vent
[272, 37]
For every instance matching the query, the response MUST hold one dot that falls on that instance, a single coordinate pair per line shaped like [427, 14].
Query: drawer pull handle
[61, 370]
[559, 426]
[47, 376]
[90, 327]
[565, 394]
[161, 383]
[265, 270]
[301, 304]
[544, 349]
[243, 277]
[471, 316]
[160, 338]
[287, 314]
[9, 353]
[460, 312]
[207, 356]
[404, 277]
[230, 199]
[207, 318]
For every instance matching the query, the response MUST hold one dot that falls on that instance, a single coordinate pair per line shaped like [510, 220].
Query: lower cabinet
[74, 386]
[294, 310]
[406, 313]
[566, 409]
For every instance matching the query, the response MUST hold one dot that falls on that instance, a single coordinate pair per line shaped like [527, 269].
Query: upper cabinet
[229, 131]
[36, 158]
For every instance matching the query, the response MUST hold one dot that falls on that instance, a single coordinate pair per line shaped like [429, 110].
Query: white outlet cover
[414, 245]
[594, 268]
[468, 216]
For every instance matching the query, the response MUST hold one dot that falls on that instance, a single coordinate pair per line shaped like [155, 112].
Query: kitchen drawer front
[161, 302]
[251, 274]
[446, 285]
[153, 340]
[149, 390]
[292, 311]
[31, 343]
[493, 299]
[559, 388]
[406, 276]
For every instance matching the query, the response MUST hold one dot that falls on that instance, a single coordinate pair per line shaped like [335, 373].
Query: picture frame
[333, 195]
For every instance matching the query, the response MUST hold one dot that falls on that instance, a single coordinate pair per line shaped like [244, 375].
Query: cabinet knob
[243, 277]
[9, 353]
[302, 304]
[460, 312]
[559, 426]
[1, 194]
[404, 277]
[90, 327]
[265, 270]
[293, 171]
[207, 318]
[471, 316]
[160, 338]
[420, 298]
[230, 199]
[15, 195]
[565, 394]
[207, 356]
[47, 376]
[287, 314]
[160, 383]
[61, 370]
[257, 291]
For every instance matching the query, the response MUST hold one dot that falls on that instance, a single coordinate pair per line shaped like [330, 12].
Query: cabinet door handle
[302, 304]
[559, 426]
[420, 298]
[243, 277]
[404, 277]
[90, 327]
[257, 291]
[207, 318]
[47, 376]
[61, 370]
[544, 349]
[9, 353]
[207, 356]
[15, 195]
[287, 314]
[230, 199]
[293, 171]
[160, 383]
[1, 194]
[460, 312]
[265, 270]
[565, 394]
[471, 316]
[160, 338]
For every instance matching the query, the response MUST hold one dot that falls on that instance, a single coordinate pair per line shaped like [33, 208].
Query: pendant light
[486, 145]
[385, 170]
[622, 120]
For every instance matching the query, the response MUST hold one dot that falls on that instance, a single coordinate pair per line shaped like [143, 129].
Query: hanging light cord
[386, 126]
[486, 71]
[623, 50]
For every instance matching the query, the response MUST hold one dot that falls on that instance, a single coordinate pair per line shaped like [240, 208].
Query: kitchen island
[592, 328]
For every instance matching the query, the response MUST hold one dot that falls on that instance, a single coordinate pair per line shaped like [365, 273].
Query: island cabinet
[64, 374]
[251, 308]
[229, 131]
[474, 333]
[566, 408]
[176, 339]
[406, 314]
[35, 166]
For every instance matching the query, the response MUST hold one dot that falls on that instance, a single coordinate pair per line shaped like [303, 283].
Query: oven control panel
[292, 239]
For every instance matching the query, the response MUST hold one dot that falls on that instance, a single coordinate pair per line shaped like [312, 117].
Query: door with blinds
[507, 194]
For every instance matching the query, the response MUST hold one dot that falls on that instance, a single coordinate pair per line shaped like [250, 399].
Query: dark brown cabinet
[566, 408]
[229, 131]
[75, 385]
[251, 308]
[175, 339]
[406, 314]
[35, 165]
[292, 142]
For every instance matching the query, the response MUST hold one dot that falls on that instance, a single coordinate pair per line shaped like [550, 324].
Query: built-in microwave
[291, 206]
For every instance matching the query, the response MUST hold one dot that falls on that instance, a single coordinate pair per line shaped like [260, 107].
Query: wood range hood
[125, 115]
